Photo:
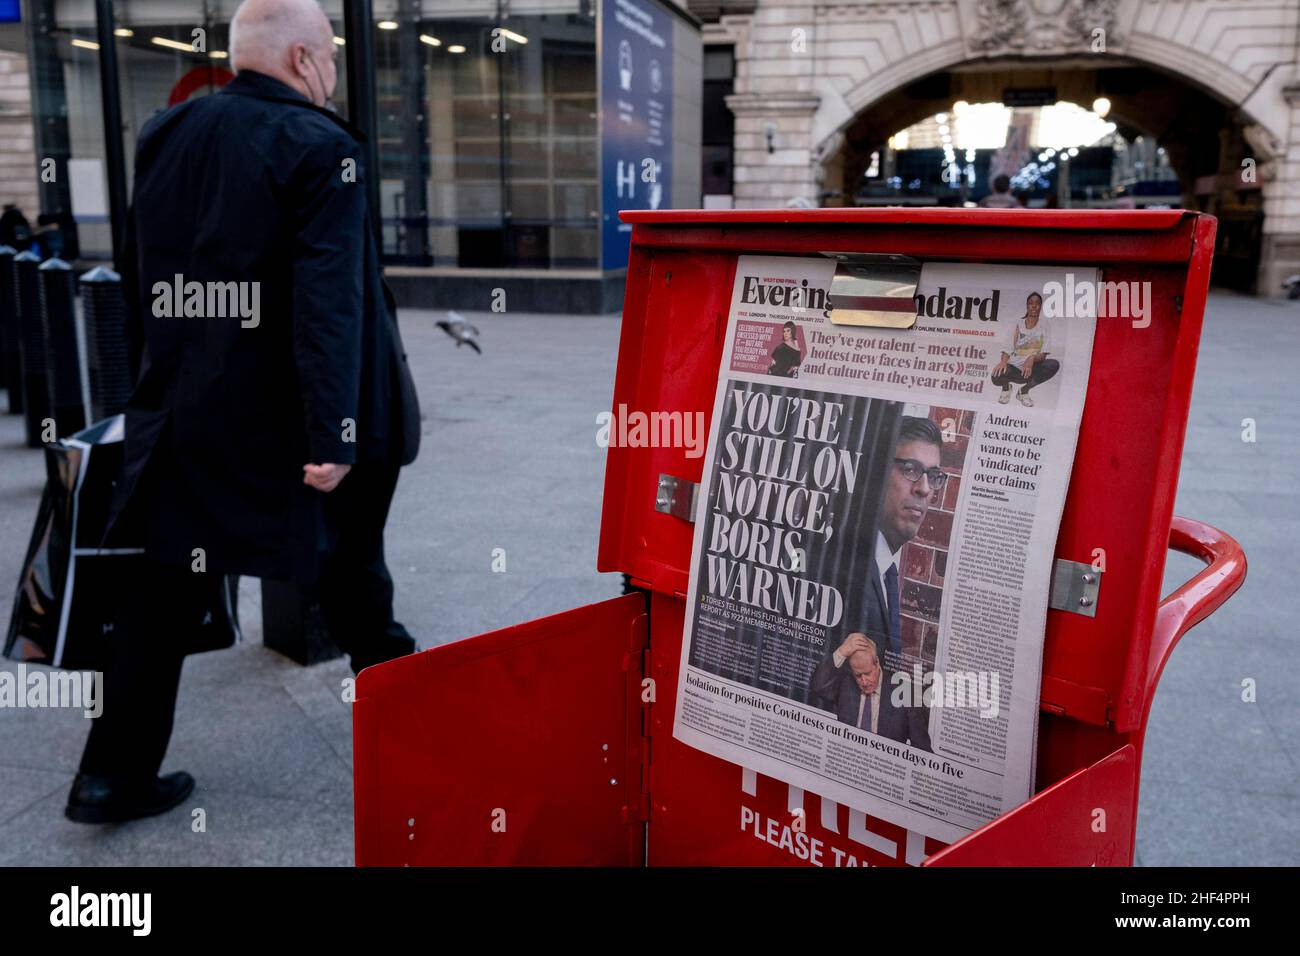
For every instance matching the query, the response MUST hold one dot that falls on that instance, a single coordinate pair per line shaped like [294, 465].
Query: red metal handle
[1201, 596]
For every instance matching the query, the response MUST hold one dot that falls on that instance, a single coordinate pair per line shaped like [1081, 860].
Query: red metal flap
[1087, 819]
[511, 748]
[1108, 219]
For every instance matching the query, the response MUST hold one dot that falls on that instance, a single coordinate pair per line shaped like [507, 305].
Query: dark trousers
[143, 669]
[141, 677]
[1041, 372]
[355, 591]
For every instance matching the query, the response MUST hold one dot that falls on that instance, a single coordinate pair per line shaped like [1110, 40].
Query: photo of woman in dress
[786, 356]
[1027, 364]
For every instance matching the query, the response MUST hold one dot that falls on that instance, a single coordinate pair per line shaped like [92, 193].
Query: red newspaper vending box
[538, 745]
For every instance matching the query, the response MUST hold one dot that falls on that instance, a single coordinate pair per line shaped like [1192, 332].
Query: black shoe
[112, 800]
[396, 642]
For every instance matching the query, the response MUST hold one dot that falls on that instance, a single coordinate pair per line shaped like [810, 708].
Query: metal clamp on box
[872, 289]
[676, 496]
[1075, 587]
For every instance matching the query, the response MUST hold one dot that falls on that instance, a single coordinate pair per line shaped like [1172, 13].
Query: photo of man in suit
[913, 478]
[851, 679]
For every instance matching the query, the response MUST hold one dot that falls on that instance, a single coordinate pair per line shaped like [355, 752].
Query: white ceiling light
[1063, 125]
[173, 44]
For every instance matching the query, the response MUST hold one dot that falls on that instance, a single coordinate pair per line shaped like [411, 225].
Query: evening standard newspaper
[874, 537]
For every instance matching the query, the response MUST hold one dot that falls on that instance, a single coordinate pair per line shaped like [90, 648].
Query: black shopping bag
[68, 588]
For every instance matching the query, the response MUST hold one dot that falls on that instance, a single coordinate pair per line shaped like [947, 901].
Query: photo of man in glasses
[912, 480]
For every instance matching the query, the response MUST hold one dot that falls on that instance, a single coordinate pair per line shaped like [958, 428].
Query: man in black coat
[273, 405]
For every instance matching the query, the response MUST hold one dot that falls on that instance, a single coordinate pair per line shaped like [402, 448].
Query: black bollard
[63, 356]
[36, 398]
[107, 363]
[11, 369]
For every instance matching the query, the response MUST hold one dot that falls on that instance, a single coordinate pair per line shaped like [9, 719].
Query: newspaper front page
[875, 533]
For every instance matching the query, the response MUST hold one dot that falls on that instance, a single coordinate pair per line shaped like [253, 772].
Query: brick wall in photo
[925, 557]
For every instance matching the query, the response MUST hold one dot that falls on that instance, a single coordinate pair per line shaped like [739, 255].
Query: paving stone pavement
[510, 461]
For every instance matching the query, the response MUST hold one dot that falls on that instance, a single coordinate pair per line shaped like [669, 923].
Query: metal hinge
[676, 496]
[637, 812]
[636, 662]
[1075, 587]
[645, 733]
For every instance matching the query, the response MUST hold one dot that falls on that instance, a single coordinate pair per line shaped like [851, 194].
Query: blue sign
[9, 12]
[636, 112]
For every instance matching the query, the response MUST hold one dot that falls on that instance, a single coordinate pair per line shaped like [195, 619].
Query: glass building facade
[489, 160]
[488, 119]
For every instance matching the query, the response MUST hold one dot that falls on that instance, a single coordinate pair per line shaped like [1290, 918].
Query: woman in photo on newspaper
[1027, 363]
[786, 356]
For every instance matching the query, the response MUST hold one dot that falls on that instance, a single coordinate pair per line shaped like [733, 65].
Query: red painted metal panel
[966, 235]
[1111, 220]
[1087, 819]
[531, 721]
[989, 244]
[668, 361]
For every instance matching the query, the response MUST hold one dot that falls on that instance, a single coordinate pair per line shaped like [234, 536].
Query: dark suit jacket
[249, 185]
[873, 616]
[835, 685]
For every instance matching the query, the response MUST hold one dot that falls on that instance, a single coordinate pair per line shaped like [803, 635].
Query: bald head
[290, 40]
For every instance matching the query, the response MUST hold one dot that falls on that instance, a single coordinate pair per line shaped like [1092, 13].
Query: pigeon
[461, 331]
[1292, 286]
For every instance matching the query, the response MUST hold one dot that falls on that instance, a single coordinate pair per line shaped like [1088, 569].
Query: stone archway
[1202, 134]
[806, 71]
